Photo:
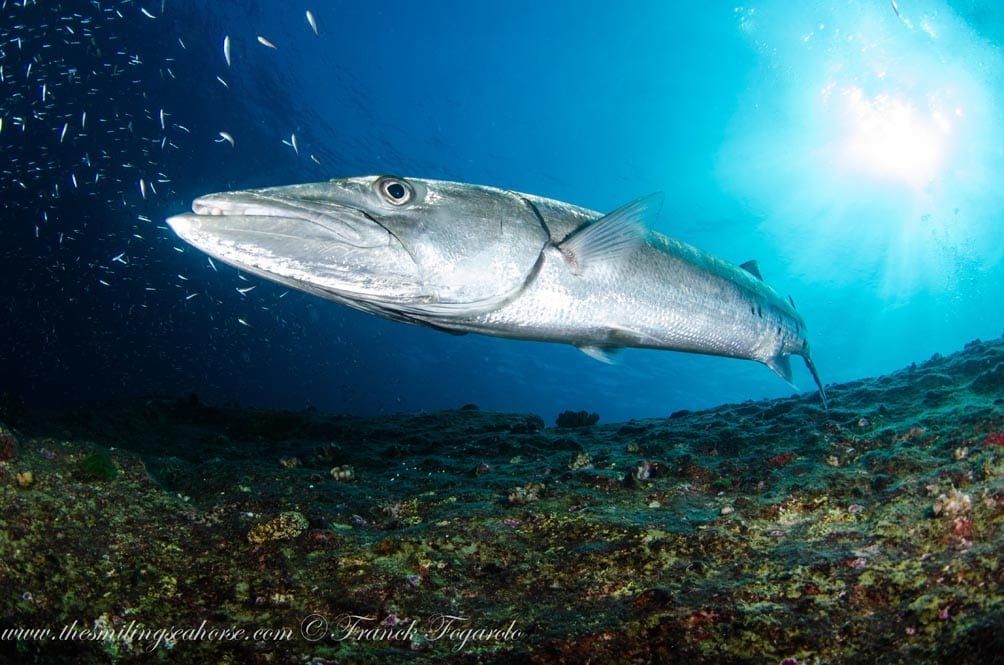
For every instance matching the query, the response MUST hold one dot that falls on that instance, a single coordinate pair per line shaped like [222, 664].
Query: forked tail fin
[815, 375]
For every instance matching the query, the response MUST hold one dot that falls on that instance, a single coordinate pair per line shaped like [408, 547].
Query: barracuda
[472, 259]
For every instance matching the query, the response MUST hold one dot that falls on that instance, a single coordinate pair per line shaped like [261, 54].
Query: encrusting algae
[760, 532]
[282, 527]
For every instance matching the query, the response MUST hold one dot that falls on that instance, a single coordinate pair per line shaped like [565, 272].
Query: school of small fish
[86, 123]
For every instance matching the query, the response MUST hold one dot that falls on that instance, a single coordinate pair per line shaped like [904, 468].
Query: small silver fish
[265, 42]
[226, 49]
[226, 137]
[313, 23]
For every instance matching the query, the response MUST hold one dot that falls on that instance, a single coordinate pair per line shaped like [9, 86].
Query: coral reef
[760, 532]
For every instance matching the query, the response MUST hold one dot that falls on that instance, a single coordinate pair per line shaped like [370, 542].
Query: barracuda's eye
[395, 191]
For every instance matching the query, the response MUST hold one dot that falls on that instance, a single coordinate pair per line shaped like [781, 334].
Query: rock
[989, 381]
[577, 419]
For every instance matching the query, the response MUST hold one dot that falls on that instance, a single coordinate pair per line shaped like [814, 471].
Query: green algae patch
[98, 466]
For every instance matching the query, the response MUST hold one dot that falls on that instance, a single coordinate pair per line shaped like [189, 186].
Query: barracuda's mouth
[246, 215]
[319, 246]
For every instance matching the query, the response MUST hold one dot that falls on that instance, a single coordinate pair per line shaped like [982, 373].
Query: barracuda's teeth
[206, 210]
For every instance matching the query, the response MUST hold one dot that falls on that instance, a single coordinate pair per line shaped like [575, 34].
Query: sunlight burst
[889, 136]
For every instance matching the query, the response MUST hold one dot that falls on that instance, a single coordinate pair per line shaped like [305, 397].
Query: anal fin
[781, 365]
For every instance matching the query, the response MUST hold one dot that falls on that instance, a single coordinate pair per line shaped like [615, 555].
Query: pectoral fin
[611, 237]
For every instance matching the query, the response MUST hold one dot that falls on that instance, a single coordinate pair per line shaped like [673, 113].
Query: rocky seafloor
[761, 532]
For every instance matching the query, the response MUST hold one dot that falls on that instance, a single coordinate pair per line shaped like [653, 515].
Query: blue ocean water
[853, 149]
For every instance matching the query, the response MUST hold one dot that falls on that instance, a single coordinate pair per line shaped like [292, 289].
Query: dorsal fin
[753, 268]
[611, 237]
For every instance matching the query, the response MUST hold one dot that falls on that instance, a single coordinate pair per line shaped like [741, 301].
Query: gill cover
[474, 248]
